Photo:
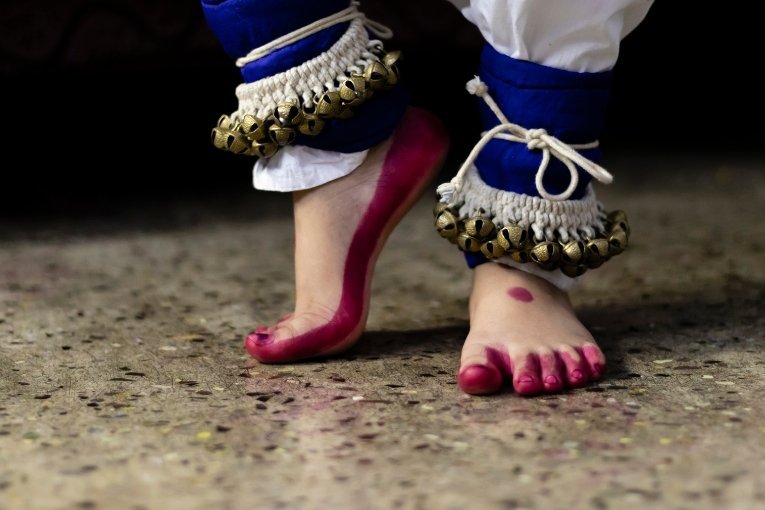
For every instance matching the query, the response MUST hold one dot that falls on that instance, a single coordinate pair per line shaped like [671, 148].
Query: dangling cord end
[477, 87]
[446, 192]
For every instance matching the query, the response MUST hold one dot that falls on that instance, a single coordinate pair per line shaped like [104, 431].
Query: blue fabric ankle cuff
[243, 25]
[569, 105]
[474, 260]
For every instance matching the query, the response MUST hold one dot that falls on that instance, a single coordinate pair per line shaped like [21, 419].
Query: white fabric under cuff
[560, 280]
[298, 167]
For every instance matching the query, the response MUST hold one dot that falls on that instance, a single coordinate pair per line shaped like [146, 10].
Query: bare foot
[340, 229]
[524, 329]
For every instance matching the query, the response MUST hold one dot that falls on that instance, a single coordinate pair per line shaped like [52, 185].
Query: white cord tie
[349, 14]
[534, 139]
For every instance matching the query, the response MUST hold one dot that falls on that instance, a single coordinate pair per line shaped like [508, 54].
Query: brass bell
[573, 253]
[393, 76]
[390, 61]
[220, 138]
[618, 219]
[545, 254]
[521, 256]
[596, 252]
[229, 140]
[512, 237]
[264, 150]
[617, 216]
[312, 124]
[249, 124]
[345, 112]
[282, 135]
[479, 227]
[353, 90]
[288, 113]
[376, 75]
[617, 241]
[329, 104]
[439, 208]
[468, 243]
[573, 270]
[492, 249]
[224, 121]
[446, 225]
[391, 58]
[259, 135]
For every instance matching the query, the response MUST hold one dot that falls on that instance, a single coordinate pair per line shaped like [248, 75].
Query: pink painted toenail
[551, 380]
[525, 379]
[576, 375]
[258, 337]
[520, 294]
[479, 379]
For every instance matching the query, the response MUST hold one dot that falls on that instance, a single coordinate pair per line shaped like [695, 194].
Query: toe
[258, 338]
[479, 373]
[550, 370]
[577, 372]
[595, 360]
[285, 318]
[527, 379]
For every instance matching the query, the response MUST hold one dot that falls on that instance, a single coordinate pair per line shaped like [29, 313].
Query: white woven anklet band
[564, 220]
[351, 54]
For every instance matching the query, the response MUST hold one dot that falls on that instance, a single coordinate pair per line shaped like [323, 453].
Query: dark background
[109, 102]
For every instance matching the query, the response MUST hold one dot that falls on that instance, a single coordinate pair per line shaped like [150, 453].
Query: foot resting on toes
[523, 329]
[340, 229]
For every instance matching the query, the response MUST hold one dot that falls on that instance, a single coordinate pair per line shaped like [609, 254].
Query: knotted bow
[535, 139]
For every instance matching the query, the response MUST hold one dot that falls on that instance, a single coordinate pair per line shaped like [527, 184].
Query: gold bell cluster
[253, 136]
[572, 258]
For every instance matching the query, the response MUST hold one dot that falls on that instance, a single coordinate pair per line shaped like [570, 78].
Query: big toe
[479, 373]
[480, 379]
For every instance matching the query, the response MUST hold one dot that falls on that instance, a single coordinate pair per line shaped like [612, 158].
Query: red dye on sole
[419, 145]
[520, 294]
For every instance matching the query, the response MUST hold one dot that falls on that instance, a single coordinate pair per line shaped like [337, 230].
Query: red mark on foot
[520, 294]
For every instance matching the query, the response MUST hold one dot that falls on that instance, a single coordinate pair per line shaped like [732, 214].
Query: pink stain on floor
[520, 294]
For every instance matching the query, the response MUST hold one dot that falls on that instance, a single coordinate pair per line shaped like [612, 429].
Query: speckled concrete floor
[123, 382]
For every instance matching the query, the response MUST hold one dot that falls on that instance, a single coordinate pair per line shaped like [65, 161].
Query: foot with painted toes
[340, 229]
[523, 330]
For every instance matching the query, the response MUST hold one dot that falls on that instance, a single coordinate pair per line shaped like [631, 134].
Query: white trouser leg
[575, 35]
[298, 167]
